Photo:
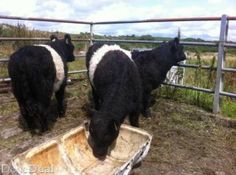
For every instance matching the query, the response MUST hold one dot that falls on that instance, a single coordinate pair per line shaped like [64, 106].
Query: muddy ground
[186, 139]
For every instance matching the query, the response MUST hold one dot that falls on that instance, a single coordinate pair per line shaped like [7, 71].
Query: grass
[205, 79]
[8, 108]
[203, 100]
[78, 64]
[3, 70]
[228, 107]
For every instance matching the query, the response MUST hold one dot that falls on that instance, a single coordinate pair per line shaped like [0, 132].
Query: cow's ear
[53, 38]
[67, 39]
[174, 45]
[176, 41]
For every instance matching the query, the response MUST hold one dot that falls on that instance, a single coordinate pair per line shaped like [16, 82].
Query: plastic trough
[70, 154]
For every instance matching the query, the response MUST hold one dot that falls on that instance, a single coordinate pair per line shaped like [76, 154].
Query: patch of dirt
[186, 140]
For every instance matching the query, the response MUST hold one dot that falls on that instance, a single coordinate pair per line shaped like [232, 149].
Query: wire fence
[217, 90]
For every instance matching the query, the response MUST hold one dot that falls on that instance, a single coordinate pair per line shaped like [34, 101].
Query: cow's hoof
[61, 114]
[35, 132]
[149, 114]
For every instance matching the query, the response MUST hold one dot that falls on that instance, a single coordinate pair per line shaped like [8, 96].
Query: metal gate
[221, 44]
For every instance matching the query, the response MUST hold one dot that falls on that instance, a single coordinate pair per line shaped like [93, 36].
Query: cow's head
[103, 132]
[176, 50]
[64, 46]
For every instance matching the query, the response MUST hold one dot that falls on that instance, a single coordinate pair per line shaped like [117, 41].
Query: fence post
[91, 34]
[220, 64]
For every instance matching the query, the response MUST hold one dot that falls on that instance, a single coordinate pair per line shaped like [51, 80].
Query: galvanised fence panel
[221, 44]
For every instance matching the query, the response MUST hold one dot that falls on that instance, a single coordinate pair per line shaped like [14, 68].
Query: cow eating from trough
[153, 66]
[36, 72]
[116, 89]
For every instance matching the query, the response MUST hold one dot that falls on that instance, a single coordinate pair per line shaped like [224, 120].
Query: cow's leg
[44, 94]
[95, 99]
[60, 96]
[146, 103]
[43, 114]
[134, 118]
[27, 120]
[34, 116]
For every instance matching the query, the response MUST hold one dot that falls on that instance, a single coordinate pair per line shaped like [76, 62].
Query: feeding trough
[71, 153]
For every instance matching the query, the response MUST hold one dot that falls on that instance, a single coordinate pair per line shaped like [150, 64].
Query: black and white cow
[153, 66]
[116, 89]
[36, 72]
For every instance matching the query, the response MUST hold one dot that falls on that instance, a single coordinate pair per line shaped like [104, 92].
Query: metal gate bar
[221, 44]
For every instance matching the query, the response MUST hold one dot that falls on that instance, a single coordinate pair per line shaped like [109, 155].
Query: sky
[113, 10]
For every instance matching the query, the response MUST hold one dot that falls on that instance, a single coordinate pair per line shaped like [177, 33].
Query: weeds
[205, 79]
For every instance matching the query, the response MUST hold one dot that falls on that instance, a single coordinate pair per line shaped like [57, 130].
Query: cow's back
[114, 74]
